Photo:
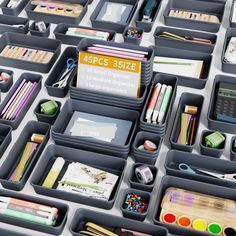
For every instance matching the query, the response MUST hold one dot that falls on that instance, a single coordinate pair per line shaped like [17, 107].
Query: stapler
[148, 10]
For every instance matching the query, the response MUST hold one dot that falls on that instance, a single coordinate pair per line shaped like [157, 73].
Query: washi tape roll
[5, 76]
[149, 146]
[144, 174]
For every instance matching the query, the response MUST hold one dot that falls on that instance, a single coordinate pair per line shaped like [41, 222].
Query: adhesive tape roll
[144, 174]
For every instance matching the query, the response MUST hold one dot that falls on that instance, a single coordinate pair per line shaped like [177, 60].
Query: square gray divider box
[205, 7]
[146, 66]
[6, 232]
[13, 158]
[228, 67]
[232, 150]
[192, 55]
[13, 11]
[61, 29]
[63, 119]
[33, 42]
[190, 99]
[6, 135]
[147, 26]
[135, 41]
[159, 129]
[208, 151]
[185, 44]
[104, 162]
[55, 18]
[35, 32]
[5, 86]
[28, 77]
[110, 221]
[134, 183]
[191, 185]
[57, 72]
[7, 22]
[54, 230]
[197, 161]
[118, 27]
[214, 124]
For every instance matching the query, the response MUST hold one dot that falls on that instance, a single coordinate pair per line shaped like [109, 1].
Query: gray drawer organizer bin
[214, 124]
[147, 26]
[186, 99]
[159, 129]
[195, 186]
[104, 162]
[54, 18]
[118, 27]
[61, 29]
[228, 67]
[196, 161]
[60, 124]
[13, 11]
[6, 135]
[53, 230]
[110, 221]
[35, 32]
[34, 42]
[28, 77]
[192, 55]
[232, 151]
[231, 23]
[14, 156]
[185, 44]
[57, 71]
[207, 7]
[5, 86]
[146, 66]
[10, 233]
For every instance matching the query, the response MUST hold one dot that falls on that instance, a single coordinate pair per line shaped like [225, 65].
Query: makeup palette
[198, 211]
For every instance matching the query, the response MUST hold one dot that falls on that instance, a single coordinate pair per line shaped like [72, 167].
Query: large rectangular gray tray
[28, 77]
[53, 18]
[191, 185]
[61, 29]
[53, 230]
[192, 55]
[13, 11]
[186, 99]
[187, 44]
[214, 124]
[207, 7]
[118, 27]
[107, 163]
[13, 158]
[110, 221]
[34, 42]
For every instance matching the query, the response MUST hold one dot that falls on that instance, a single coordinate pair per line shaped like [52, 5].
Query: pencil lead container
[5, 137]
[233, 149]
[133, 35]
[135, 182]
[33, 30]
[6, 80]
[212, 145]
[134, 204]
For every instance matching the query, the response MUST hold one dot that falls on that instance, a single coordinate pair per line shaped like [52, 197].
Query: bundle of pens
[28, 211]
[187, 125]
[27, 156]
[158, 104]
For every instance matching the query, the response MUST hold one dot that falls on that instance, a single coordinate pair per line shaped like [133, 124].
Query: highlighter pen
[152, 102]
[164, 104]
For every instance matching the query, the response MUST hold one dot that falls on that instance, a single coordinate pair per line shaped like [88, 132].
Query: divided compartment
[232, 150]
[159, 129]
[61, 29]
[147, 25]
[57, 71]
[35, 32]
[191, 100]
[53, 230]
[110, 221]
[205, 7]
[56, 18]
[196, 161]
[34, 42]
[191, 185]
[5, 86]
[14, 156]
[13, 11]
[118, 27]
[6, 135]
[104, 162]
[185, 44]
[28, 77]
[135, 41]
[198, 83]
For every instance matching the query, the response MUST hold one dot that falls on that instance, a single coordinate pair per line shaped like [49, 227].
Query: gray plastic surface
[6, 134]
[13, 11]
[232, 150]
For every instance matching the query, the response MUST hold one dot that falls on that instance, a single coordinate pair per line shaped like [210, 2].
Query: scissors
[71, 63]
[186, 168]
